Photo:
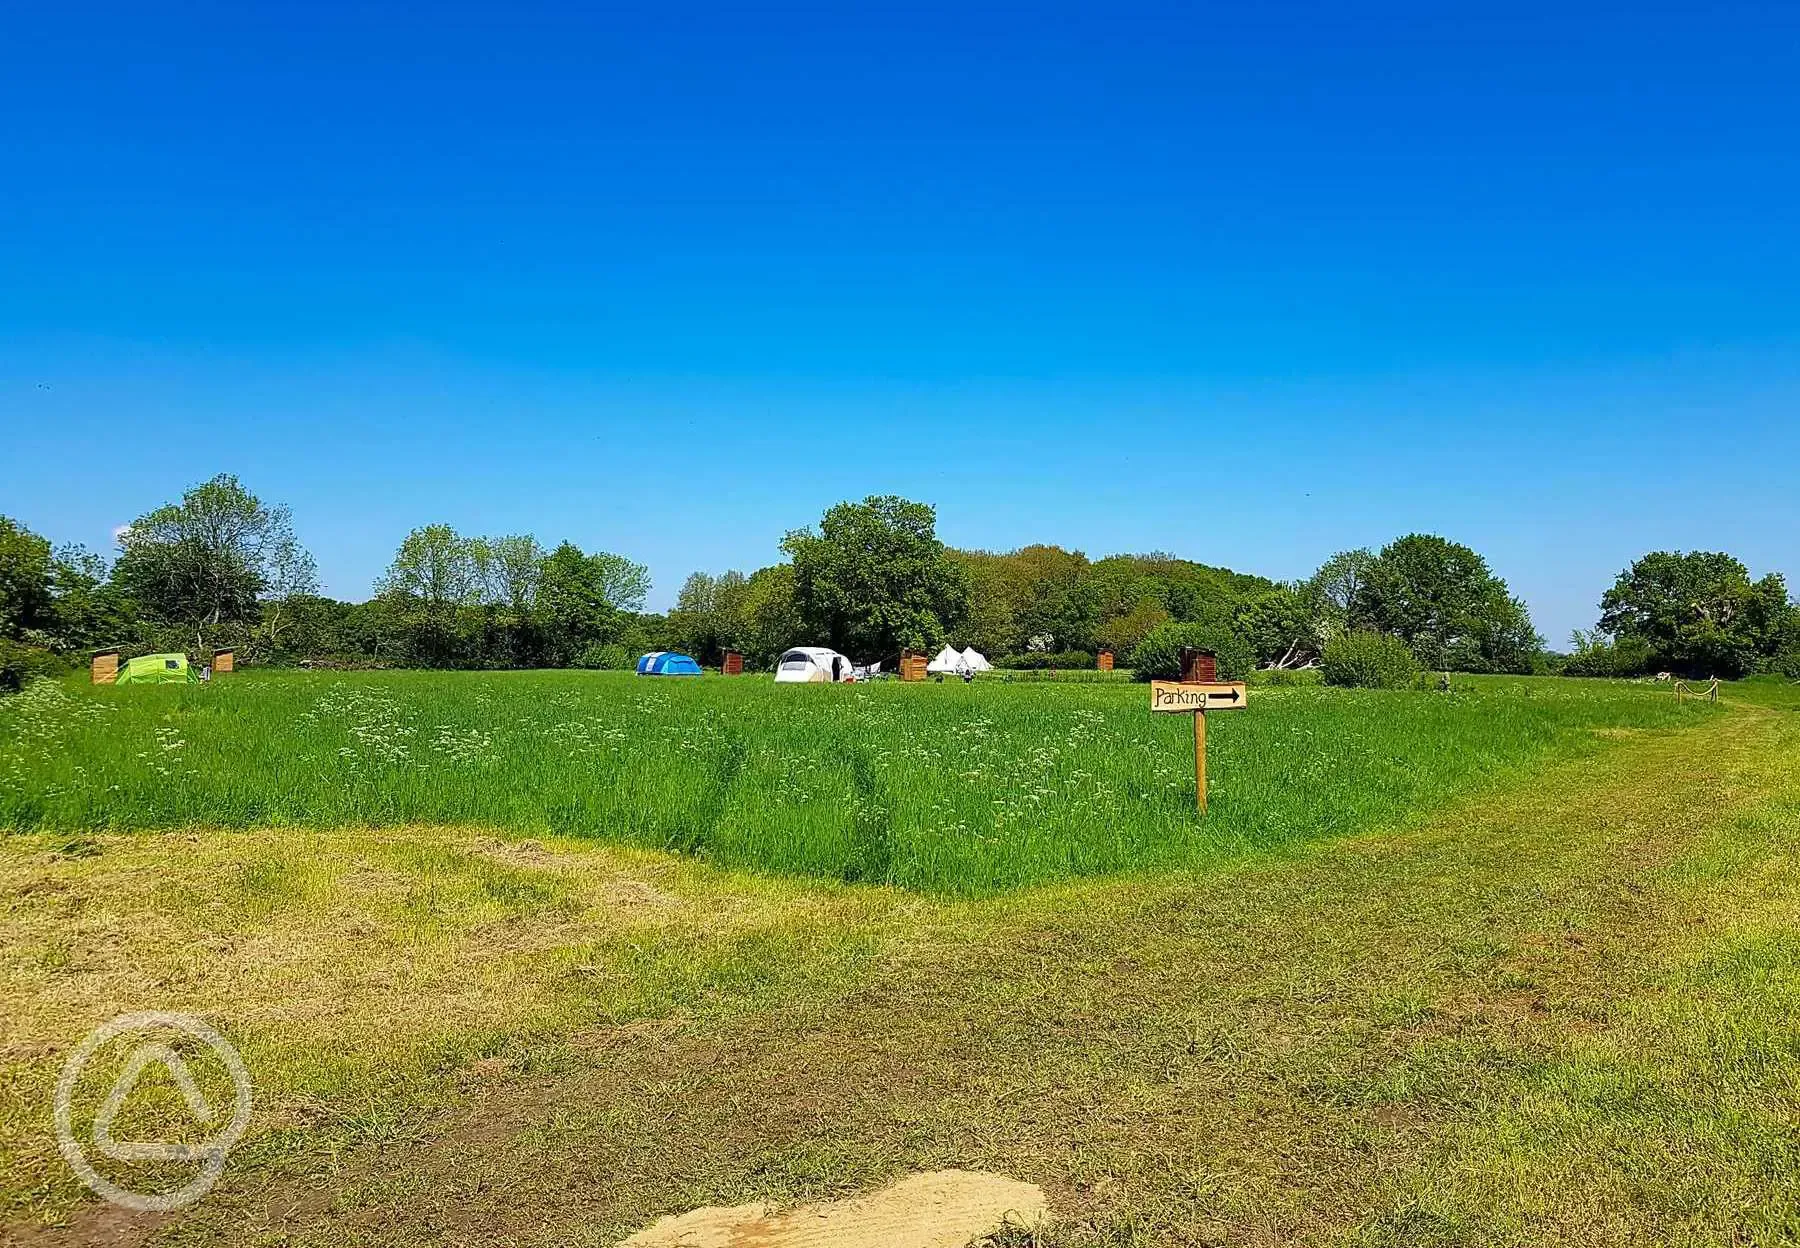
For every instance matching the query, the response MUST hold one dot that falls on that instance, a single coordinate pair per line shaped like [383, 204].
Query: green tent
[156, 669]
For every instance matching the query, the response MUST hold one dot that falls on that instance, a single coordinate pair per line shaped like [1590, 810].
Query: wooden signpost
[1196, 698]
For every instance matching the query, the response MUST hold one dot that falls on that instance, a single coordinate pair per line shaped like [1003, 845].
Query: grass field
[949, 788]
[1538, 985]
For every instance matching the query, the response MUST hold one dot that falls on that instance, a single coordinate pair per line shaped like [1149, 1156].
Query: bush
[21, 664]
[1158, 656]
[1787, 664]
[1598, 655]
[1365, 660]
[607, 658]
[1063, 661]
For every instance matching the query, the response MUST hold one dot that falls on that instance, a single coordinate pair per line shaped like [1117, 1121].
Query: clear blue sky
[1247, 283]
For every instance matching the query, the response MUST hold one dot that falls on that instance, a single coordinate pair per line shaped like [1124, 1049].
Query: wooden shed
[105, 668]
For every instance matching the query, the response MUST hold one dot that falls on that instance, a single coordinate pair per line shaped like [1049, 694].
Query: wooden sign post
[1197, 698]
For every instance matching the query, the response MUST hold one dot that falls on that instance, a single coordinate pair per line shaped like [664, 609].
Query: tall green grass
[952, 787]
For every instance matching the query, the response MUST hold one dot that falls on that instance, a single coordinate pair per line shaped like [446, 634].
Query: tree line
[222, 569]
[873, 579]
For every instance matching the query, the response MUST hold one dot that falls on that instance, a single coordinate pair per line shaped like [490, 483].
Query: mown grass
[370, 978]
[948, 788]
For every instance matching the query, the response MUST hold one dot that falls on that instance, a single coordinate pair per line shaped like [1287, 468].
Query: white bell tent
[948, 660]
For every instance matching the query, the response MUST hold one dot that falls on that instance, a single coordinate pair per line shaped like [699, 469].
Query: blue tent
[667, 663]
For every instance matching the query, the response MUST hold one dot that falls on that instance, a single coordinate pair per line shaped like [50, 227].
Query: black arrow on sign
[1227, 697]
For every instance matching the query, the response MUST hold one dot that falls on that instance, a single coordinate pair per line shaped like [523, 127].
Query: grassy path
[1562, 1013]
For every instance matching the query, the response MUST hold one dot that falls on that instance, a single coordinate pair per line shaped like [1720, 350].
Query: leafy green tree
[621, 582]
[26, 601]
[437, 566]
[1036, 592]
[1337, 592]
[288, 573]
[693, 623]
[1281, 626]
[89, 610]
[1187, 590]
[435, 575]
[875, 578]
[512, 569]
[585, 600]
[1055, 597]
[989, 624]
[210, 560]
[1441, 599]
[1500, 638]
[771, 624]
[27, 607]
[1158, 656]
[1787, 645]
[55, 601]
[1122, 633]
[1699, 612]
[709, 618]
[372, 631]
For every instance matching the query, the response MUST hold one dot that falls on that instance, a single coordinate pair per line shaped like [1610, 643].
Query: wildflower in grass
[379, 725]
[462, 745]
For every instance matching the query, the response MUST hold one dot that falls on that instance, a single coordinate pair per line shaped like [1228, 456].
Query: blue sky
[1250, 284]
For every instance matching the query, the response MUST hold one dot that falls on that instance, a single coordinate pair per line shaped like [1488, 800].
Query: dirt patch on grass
[938, 1209]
